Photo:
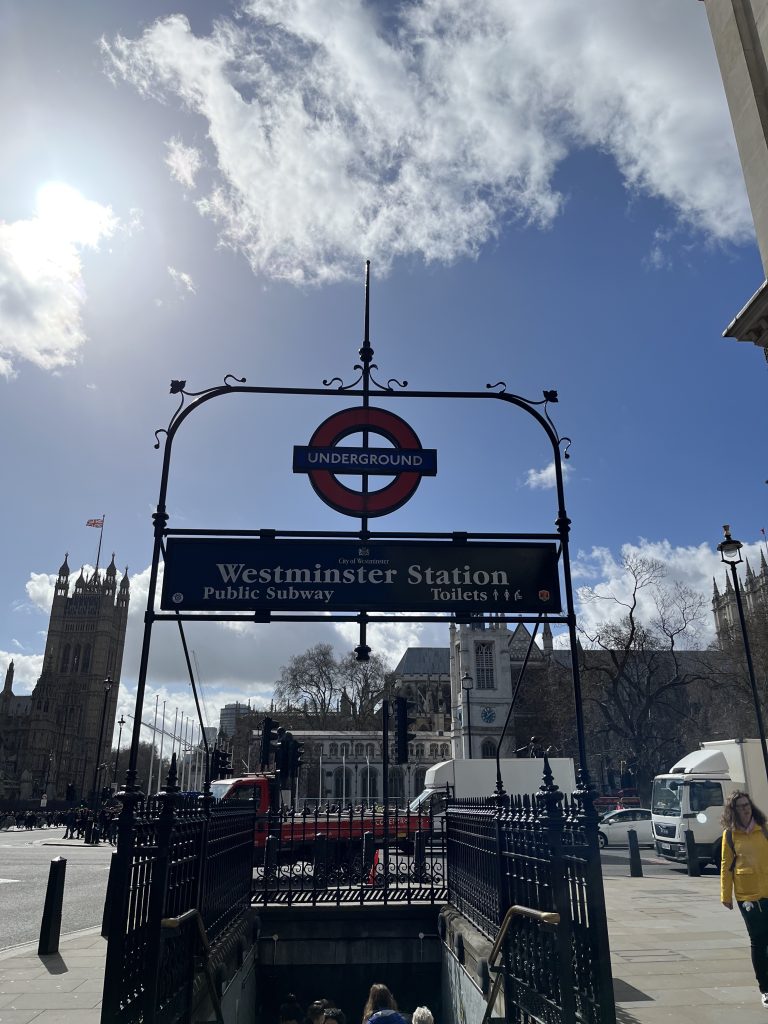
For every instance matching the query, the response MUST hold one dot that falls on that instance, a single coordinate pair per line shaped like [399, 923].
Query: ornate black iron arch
[363, 387]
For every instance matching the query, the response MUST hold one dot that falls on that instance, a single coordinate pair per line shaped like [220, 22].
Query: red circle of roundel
[357, 503]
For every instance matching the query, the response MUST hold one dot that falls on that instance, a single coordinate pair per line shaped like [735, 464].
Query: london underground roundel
[324, 460]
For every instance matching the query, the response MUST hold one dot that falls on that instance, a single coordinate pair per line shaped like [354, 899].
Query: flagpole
[152, 751]
[101, 535]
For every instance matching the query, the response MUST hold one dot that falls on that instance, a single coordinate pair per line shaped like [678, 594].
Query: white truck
[692, 793]
[477, 777]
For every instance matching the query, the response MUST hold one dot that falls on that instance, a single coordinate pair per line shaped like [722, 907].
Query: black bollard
[635, 864]
[50, 927]
[694, 871]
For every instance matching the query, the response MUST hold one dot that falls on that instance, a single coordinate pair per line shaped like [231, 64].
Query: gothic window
[45, 706]
[395, 784]
[488, 749]
[76, 659]
[345, 749]
[334, 750]
[342, 784]
[484, 667]
[445, 750]
[369, 749]
[433, 750]
[419, 750]
[65, 658]
[111, 660]
[86, 658]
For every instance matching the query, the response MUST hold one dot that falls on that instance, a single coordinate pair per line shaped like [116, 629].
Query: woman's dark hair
[730, 818]
[379, 998]
[334, 1013]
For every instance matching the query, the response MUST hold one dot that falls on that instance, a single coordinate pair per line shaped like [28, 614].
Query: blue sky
[549, 195]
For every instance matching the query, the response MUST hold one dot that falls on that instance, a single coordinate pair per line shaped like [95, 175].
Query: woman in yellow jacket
[744, 874]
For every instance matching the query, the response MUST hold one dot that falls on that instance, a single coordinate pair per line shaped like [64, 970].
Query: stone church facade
[52, 738]
[754, 596]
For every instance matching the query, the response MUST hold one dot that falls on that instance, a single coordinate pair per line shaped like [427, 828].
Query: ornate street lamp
[467, 684]
[97, 769]
[121, 723]
[730, 554]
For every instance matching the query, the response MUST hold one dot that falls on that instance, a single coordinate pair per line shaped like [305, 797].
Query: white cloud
[693, 565]
[336, 136]
[42, 291]
[542, 479]
[183, 161]
[26, 670]
[183, 282]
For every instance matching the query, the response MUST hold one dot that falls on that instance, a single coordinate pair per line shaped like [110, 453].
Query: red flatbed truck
[343, 830]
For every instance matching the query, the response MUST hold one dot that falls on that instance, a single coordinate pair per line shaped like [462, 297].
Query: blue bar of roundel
[365, 461]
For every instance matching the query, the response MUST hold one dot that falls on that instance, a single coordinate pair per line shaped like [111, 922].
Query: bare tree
[636, 674]
[364, 683]
[310, 680]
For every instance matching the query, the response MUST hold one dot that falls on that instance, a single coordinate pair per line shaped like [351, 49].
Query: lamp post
[121, 723]
[107, 688]
[730, 554]
[467, 684]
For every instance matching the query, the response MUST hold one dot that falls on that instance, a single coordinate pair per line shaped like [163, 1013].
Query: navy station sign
[247, 574]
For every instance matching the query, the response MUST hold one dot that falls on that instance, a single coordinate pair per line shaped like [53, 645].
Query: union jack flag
[95, 522]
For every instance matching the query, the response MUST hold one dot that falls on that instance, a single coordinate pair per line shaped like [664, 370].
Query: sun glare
[68, 216]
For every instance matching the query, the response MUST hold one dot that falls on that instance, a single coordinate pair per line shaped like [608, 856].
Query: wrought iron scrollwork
[550, 398]
[179, 387]
[361, 376]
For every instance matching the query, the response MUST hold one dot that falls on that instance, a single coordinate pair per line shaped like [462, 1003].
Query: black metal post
[690, 854]
[50, 927]
[467, 685]
[385, 785]
[97, 767]
[750, 666]
[635, 864]
[121, 723]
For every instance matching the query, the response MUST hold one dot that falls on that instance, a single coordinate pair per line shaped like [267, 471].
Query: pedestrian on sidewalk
[744, 874]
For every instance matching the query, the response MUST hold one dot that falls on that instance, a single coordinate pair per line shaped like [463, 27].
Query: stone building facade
[740, 34]
[754, 591]
[52, 738]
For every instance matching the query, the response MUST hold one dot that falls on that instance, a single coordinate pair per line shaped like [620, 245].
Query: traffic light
[297, 752]
[218, 758]
[283, 759]
[402, 736]
[225, 762]
[269, 742]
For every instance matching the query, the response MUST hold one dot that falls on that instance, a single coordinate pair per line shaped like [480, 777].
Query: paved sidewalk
[677, 955]
[61, 989]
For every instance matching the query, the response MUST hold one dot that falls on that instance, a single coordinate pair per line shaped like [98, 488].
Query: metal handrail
[542, 916]
[172, 923]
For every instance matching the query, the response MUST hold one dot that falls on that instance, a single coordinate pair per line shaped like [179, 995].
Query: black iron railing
[350, 856]
[175, 854]
[539, 852]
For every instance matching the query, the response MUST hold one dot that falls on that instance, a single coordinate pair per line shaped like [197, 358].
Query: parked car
[612, 830]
